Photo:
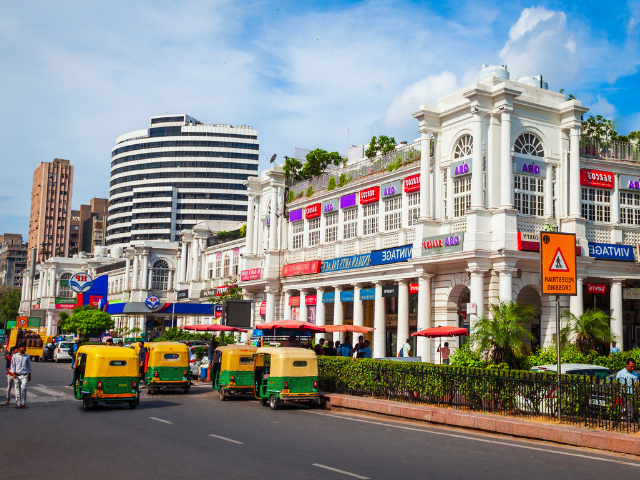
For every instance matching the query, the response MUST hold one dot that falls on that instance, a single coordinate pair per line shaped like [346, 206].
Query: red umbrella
[442, 332]
[212, 328]
[290, 325]
[348, 328]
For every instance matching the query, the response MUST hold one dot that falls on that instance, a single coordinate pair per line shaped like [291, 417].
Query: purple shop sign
[295, 215]
[348, 201]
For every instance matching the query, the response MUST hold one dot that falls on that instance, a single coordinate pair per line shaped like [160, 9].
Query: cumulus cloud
[602, 107]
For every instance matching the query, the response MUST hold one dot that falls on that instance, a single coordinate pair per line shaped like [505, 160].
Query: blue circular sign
[152, 302]
[81, 282]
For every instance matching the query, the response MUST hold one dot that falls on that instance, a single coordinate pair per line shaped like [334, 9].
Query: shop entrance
[529, 296]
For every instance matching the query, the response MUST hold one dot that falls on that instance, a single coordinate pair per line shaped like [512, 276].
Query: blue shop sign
[346, 296]
[607, 251]
[368, 294]
[392, 255]
[328, 297]
[346, 263]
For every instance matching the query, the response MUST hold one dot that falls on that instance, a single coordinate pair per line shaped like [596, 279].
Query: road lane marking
[340, 471]
[48, 391]
[161, 420]
[226, 439]
[466, 437]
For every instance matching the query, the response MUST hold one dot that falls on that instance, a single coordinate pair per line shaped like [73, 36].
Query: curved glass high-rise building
[176, 173]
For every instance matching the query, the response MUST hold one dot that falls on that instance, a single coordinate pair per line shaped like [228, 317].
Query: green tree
[9, 303]
[291, 168]
[589, 328]
[233, 292]
[500, 334]
[381, 144]
[87, 320]
[316, 163]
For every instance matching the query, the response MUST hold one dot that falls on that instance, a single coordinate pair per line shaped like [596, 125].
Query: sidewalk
[579, 437]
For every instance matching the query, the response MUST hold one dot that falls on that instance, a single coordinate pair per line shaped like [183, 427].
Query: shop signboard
[348, 201]
[346, 296]
[391, 189]
[11, 324]
[66, 303]
[414, 288]
[328, 297]
[218, 309]
[95, 300]
[607, 251]
[390, 290]
[267, 220]
[223, 289]
[263, 307]
[628, 182]
[208, 292]
[251, 274]
[64, 283]
[523, 166]
[412, 183]
[441, 244]
[558, 263]
[310, 299]
[631, 293]
[330, 206]
[460, 168]
[369, 195]
[22, 321]
[597, 288]
[295, 215]
[346, 263]
[596, 178]
[312, 211]
[392, 255]
[304, 268]
[33, 322]
[294, 301]
[183, 294]
[528, 241]
[152, 302]
[81, 282]
[367, 294]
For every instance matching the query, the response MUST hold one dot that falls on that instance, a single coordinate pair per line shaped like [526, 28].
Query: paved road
[197, 436]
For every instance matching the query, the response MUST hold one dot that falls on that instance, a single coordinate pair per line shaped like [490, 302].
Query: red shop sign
[312, 211]
[310, 299]
[294, 301]
[369, 195]
[413, 287]
[251, 274]
[596, 178]
[599, 288]
[223, 289]
[412, 183]
[303, 268]
[263, 307]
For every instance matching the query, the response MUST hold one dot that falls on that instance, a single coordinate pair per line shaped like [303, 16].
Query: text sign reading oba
[558, 263]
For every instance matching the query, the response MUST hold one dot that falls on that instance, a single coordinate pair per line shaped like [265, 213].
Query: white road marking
[340, 471]
[48, 391]
[225, 438]
[548, 450]
[161, 420]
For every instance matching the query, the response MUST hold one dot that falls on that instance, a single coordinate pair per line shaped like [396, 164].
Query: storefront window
[314, 232]
[529, 195]
[414, 210]
[236, 264]
[210, 269]
[160, 275]
[596, 204]
[64, 290]
[461, 196]
[298, 235]
[393, 214]
[350, 217]
[218, 268]
[227, 266]
[331, 232]
[370, 222]
[630, 208]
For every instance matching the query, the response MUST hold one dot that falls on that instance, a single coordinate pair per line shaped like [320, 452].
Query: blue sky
[75, 75]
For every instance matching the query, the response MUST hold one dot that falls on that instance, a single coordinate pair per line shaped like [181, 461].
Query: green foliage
[63, 323]
[200, 351]
[300, 193]
[381, 144]
[332, 184]
[290, 196]
[589, 328]
[599, 128]
[291, 169]
[309, 191]
[343, 180]
[316, 163]
[9, 303]
[234, 292]
[87, 320]
[500, 334]
[465, 356]
[243, 230]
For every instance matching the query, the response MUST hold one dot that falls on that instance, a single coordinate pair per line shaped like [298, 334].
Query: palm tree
[501, 334]
[589, 328]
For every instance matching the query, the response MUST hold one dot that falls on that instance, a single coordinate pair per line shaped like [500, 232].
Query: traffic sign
[558, 263]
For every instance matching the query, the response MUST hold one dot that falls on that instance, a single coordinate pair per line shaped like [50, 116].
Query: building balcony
[616, 151]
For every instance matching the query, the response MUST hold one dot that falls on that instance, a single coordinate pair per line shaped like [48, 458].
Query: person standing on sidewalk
[10, 381]
[73, 349]
[445, 351]
[405, 350]
[142, 357]
[21, 371]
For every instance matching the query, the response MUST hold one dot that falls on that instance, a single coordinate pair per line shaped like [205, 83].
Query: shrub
[290, 196]
[332, 184]
[309, 191]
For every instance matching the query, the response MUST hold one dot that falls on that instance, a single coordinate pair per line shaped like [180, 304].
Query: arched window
[464, 147]
[64, 291]
[160, 275]
[529, 144]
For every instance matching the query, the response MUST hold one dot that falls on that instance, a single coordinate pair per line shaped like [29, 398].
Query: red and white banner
[596, 178]
[310, 299]
[598, 288]
[312, 211]
[263, 307]
[221, 290]
[251, 274]
[303, 268]
[412, 183]
[294, 301]
[413, 288]
[369, 195]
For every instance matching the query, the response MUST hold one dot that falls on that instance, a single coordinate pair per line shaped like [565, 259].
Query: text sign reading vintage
[558, 263]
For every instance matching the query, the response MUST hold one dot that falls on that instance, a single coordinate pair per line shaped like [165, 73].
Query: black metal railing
[584, 401]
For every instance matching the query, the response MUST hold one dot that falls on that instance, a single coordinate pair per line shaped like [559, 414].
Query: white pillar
[425, 177]
[424, 316]
[379, 323]
[170, 281]
[52, 282]
[437, 179]
[136, 263]
[273, 227]
[249, 231]
[304, 312]
[506, 166]
[477, 188]
[127, 269]
[338, 308]
[195, 275]
[41, 282]
[576, 303]
[183, 262]
[548, 192]
[142, 325]
[477, 295]
[271, 305]
[145, 271]
[616, 312]
[505, 291]
[358, 310]
[403, 313]
[574, 173]
[320, 311]
[49, 323]
[615, 200]
[287, 307]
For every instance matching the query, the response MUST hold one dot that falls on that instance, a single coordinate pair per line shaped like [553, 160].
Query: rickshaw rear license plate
[123, 385]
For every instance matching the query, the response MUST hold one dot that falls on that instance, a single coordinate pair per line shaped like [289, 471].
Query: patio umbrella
[348, 328]
[290, 325]
[212, 328]
[440, 332]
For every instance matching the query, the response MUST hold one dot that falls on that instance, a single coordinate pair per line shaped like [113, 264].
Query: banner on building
[607, 251]
[390, 290]
[303, 268]
[367, 294]
[312, 211]
[330, 206]
[263, 307]
[596, 178]
[441, 244]
[392, 255]
[295, 215]
[414, 288]
[328, 297]
[346, 296]
[535, 168]
[346, 263]
[310, 299]
[251, 274]
[597, 288]
[412, 183]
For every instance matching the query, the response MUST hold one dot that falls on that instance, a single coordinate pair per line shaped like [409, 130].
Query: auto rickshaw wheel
[263, 401]
[222, 393]
[86, 403]
[133, 405]
[273, 402]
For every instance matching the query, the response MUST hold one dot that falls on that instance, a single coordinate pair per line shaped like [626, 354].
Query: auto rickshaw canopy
[236, 357]
[167, 354]
[291, 361]
[102, 361]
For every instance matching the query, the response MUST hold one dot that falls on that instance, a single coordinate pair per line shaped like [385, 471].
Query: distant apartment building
[74, 234]
[13, 259]
[50, 218]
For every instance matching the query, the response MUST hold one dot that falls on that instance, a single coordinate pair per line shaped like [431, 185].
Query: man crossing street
[20, 370]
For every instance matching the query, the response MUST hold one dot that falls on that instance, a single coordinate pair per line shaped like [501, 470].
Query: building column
[424, 316]
[287, 307]
[576, 303]
[183, 262]
[477, 293]
[615, 201]
[273, 227]
[249, 231]
[271, 305]
[548, 192]
[170, 282]
[358, 307]
[437, 179]
[379, 323]
[41, 282]
[321, 313]
[425, 177]
[574, 173]
[477, 188]
[505, 290]
[136, 263]
[506, 166]
[52, 282]
[403, 313]
[196, 272]
[145, 271]
[49, 323]
[338, 313]
[616, 312]
[127, 269]
[142, 326]
[304, 311]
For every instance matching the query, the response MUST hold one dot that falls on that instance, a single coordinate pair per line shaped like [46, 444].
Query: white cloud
[602, 107]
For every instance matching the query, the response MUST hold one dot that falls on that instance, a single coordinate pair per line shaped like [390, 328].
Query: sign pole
[559, 362]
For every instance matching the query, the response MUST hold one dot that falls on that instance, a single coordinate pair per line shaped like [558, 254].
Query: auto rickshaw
[167, 366]
[232, 369]
[106, 375]
[285, 374]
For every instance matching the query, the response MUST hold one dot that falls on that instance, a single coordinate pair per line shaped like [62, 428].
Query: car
[597, 371]
[61, 352]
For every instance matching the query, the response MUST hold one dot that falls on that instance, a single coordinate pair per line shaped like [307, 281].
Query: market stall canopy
[348, 328]
[290, 325]
[212, 328]
[442, 332]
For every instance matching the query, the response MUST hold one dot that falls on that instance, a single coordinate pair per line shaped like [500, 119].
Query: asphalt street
[172, 435]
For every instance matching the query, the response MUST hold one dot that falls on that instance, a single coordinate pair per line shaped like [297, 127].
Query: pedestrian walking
[72, 353]
[445, 351]
[319, 347]
[365, 351]
[359, 346]
[330, 350]
[405, 350]
[21, 371]
[345, 349]
[142, 358]
[630, 378]
[614, 349]
[10, 380]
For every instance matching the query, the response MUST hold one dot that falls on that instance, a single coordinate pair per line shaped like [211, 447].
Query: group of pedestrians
[361, 349]
[18, 374]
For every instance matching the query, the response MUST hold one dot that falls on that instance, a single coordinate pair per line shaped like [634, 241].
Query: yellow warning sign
[558, 263]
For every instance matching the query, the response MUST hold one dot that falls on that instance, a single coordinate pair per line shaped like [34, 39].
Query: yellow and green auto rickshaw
[232, 369]
[106, 375]
[167, 366]
[285, 374]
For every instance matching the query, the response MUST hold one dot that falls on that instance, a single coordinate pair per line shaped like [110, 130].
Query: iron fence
[584, 401]
[609, 150]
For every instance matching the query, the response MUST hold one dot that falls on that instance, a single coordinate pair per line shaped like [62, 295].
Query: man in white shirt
[20, 370]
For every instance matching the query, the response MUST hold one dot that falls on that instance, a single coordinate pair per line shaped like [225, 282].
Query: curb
[566, 435]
